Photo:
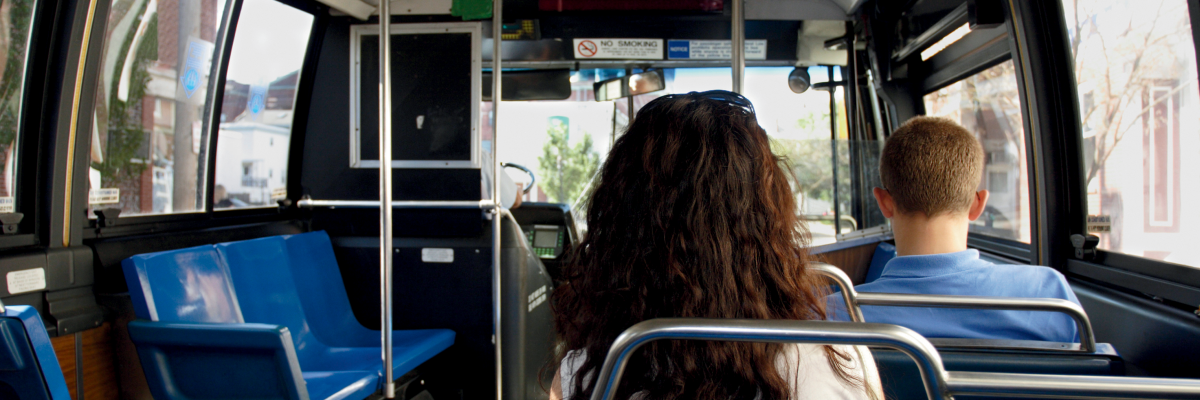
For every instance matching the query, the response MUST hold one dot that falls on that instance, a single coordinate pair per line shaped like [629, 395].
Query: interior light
[945, 42]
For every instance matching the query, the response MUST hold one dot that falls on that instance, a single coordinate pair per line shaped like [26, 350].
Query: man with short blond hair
[931, 169]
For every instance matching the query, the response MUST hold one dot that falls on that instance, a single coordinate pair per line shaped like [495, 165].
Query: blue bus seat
[193, 342]
[28, 366]
[270, 273]
[884, 252]
[902, 380]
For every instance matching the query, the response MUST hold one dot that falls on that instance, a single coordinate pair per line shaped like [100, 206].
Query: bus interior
[193, 201]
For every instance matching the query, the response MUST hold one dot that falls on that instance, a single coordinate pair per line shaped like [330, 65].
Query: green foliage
[811, 165]
[564, 170]
[125, 131]
[20, 14]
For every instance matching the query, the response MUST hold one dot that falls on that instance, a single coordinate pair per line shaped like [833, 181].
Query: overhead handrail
[939, 384]
[853, 300]
[469, 204]
[772, 331]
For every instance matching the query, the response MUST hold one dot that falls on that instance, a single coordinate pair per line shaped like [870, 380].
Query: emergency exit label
[104, 196]
[26, 280]
[619, 49]
[713, 49]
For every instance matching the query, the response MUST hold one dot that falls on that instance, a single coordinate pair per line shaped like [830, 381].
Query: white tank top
[804, 366]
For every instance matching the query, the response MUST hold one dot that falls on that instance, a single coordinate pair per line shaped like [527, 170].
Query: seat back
[316, 273]
[884, 252]
[28, 367]
[185, 285]
[902, 379]
[262, 272]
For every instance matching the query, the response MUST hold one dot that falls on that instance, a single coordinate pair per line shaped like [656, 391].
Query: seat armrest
[184, 360]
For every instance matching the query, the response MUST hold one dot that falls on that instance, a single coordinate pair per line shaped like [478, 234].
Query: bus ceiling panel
[363, 9]
[977, 51]
[799, 10]
[946, 24]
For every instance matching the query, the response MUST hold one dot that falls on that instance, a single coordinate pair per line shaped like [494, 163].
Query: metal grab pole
[738, 45]
[497, 96]
[385, 192]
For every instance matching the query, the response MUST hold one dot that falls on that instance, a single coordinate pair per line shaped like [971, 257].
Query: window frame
[30, 142]
[1161, 280]
[208, 217]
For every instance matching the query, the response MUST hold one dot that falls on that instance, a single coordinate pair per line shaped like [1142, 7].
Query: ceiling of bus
[792, 10]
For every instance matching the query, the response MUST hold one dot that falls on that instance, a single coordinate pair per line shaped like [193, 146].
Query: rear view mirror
[799, 80]
[632, 85]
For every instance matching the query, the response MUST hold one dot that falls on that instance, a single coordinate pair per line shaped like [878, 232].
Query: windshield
[564, 142]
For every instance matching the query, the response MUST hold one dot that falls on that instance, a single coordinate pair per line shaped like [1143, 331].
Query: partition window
[258, 107]
[16, 22]
[1135, 62]
[148, 139]
[989, 106]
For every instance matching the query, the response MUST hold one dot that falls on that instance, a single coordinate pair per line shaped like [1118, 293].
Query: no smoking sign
[619, 49]
[587, 48]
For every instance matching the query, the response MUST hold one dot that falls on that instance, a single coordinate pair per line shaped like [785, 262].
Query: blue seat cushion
[337, 385]
[270, 273]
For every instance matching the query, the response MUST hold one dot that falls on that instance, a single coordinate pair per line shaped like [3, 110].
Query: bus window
[564, 142]
[988, 105]
[1135, 63]
[148, 140]
[257, 108]
[16, 19]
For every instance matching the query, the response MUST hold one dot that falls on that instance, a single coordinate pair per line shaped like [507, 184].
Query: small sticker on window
[435, 255]
[26, 280]
[278, 193]
[104, 196]
[7, 205]
[1099, 223]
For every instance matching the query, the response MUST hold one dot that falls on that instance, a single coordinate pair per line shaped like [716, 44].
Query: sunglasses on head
[719, 95]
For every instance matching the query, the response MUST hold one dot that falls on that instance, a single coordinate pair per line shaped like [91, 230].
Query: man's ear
[978, 202]
[887, 205]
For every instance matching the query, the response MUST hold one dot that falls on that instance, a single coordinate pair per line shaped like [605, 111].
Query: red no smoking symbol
[587, 48]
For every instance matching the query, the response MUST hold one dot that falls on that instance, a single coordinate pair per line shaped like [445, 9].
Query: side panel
[1152, 338]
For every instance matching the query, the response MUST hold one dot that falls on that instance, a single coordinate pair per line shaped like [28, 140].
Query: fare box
[618, 49]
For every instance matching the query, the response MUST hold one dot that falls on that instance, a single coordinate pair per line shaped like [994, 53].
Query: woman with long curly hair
[692, 216]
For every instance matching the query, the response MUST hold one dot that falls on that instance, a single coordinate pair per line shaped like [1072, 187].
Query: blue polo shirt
[963, 273]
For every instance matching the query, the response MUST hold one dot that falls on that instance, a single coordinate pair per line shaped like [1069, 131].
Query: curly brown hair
[691, 216]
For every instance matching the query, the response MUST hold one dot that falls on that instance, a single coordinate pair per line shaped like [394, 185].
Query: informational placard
[26, 280]
[7, 205]
[279, 193]
[713, 49]
[436, 255]
[1099, 223]
[619, 49]
[104, 196]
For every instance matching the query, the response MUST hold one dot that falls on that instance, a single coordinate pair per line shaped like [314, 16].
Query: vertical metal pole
[738, 43]
[628, 100]
[837, 212]
[385, 192]
[497, 66]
